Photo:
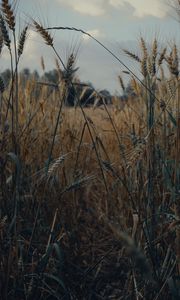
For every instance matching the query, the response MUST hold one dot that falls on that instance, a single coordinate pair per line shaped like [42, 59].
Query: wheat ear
[22, 41]
[8, 14]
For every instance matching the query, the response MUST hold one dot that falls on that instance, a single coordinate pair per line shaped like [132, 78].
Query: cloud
[156, 8]
[92, 7]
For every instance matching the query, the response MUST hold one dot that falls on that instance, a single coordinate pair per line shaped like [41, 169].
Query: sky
[118, 24]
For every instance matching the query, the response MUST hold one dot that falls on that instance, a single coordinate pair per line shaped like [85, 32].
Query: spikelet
[83, 92]
[42, 64]
[70, 70]
[69, 67]
[154, 49]
[132, 55]
[2, 87]
[121, 83]
[135, 86]
[55, 165]
[44, 33]
[1, 41]
[144, 48]
[136, 153]
[22, 40]
[79, 182]
[170, 89]
[175, 54]
[172, 61]
[5, 33]
[154, 56]
[8, 14]
[162, 56]
[169, 58]
[144, 69]
[149, 65]
[175, 61]
[126, 72]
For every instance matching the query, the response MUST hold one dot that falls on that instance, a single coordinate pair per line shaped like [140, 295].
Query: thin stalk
[10, 102]
[151, 161]
[79, 148]
[89, 130]
[177, 173]
[16, 94]
[56, 127]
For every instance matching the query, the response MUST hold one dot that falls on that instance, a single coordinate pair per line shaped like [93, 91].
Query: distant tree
[35, 75]
[80, 91]
[106, 94]
[51, 76]
[6, 75]
[26, 72]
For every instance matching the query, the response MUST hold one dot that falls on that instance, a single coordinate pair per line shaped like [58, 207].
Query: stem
[16, 94]
[177, 174]
[89, 130]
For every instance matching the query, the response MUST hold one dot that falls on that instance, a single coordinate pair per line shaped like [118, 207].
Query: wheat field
[89, 198]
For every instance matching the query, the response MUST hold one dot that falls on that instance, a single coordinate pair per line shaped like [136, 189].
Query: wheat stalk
[8, 14]
[4, 32]
[55, 165]
[69, 70]
[175, 61]
[1, 40]
[44, 33]
[43, 64]
[135, 86]
[2, 87]
[172, 61]
[133, 156]
[22, 40]
[132, 55]
[143, 47]
[162, 56]
[79, 182]
[121, 83]
[150, 65]
[144, 70]
[154, 56]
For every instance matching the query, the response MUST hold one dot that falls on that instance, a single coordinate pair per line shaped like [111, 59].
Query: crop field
[89, 182]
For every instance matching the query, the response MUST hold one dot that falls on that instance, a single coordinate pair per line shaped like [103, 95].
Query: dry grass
[90, 196]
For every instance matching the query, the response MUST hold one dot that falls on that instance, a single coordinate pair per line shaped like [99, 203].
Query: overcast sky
[116, 23]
